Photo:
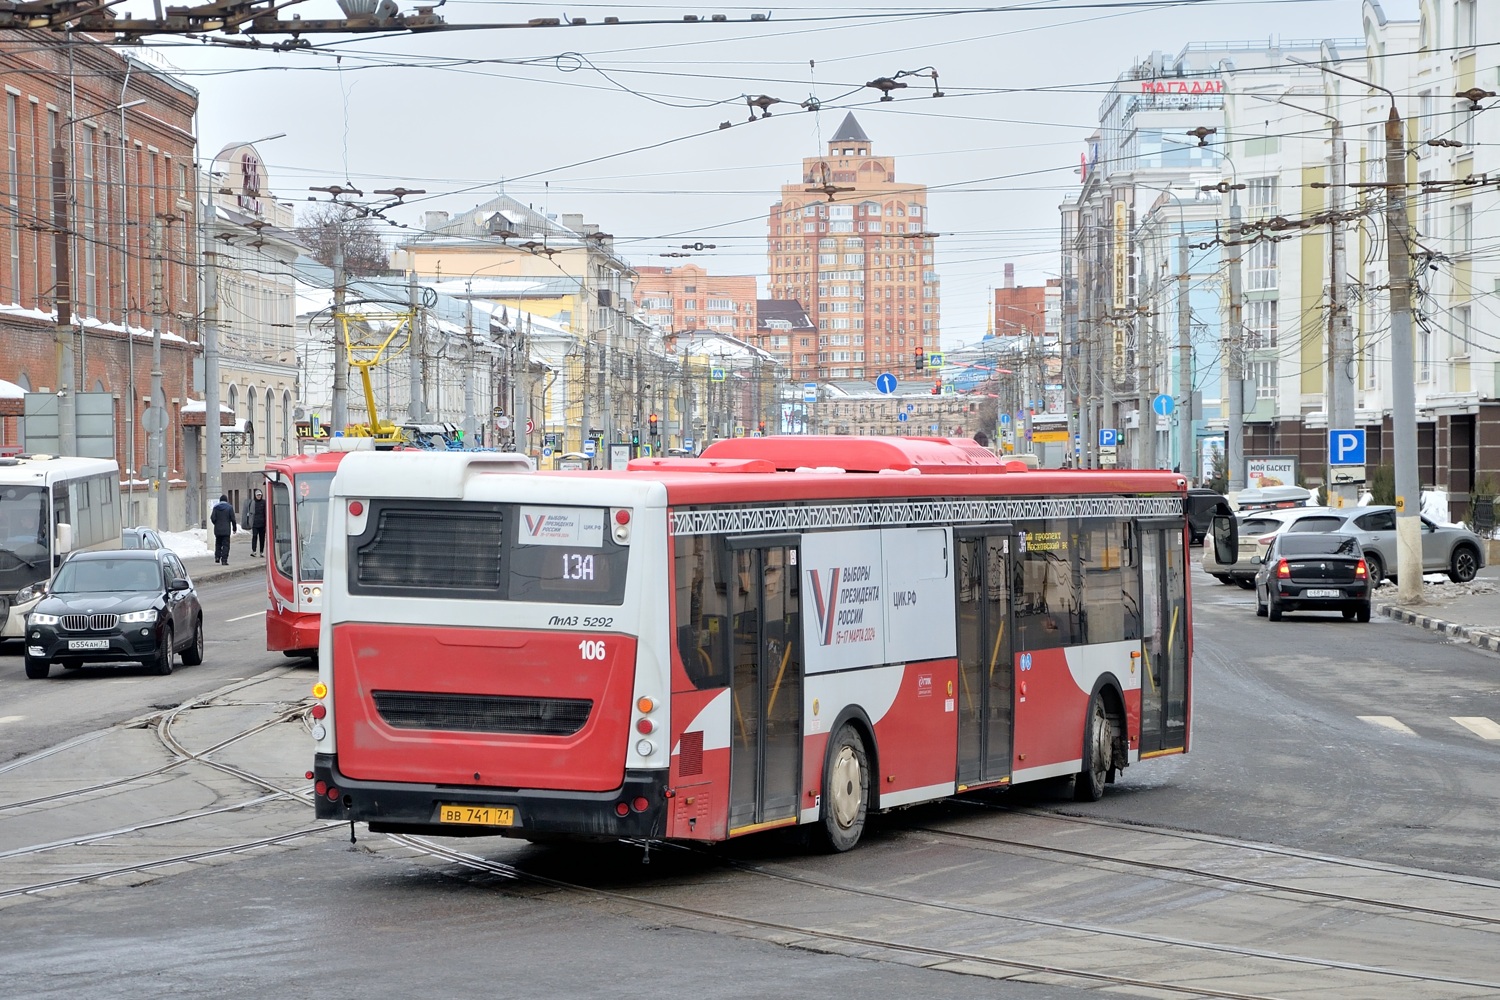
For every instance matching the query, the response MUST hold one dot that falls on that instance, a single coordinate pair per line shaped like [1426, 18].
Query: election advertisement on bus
[870, 597]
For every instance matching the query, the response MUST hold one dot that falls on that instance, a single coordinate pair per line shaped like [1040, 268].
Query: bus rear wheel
[1098, 754]
[846, 790]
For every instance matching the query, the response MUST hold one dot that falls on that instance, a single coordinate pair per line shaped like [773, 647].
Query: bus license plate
[88, 643]
[477, 815]
[1322, 593]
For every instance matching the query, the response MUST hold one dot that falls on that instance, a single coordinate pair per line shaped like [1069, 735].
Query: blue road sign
[935, 360]
[1004, 419]
[589, 447]
[809, 392]
[716, 374]
[911, 407]
[546, 451]
[1163, 405]
[687, 444]
[1108, 437]
[886, 383]
[1346, 447]
[901, 417]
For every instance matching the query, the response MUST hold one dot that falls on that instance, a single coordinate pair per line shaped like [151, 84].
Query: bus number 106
[591, 649]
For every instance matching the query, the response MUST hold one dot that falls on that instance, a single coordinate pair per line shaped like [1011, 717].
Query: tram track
[1109, 862]
[162, 725]
[1265, 962]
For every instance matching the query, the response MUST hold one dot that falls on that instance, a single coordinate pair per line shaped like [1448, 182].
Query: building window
[12, 195]
[1260, 325]
[1263, 195]
[1263, 374]
[1464, 22]
[1262, 261]
[1463, 218]
[1459, 348]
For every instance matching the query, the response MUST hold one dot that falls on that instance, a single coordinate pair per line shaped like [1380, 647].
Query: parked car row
[1298, 557]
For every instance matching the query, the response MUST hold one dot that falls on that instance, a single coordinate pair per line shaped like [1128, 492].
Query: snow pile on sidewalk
[191, 544]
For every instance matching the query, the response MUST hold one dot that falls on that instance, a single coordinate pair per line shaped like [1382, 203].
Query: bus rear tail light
[319, 710]
[333, 794]
[1283, 571]
[1361, 571]
[621, 809]
[640, 804]
[320, 787]
[356, 508]
[645, 705]
[645, 727]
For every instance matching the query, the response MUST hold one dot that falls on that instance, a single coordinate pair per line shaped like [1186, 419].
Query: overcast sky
[621, 122]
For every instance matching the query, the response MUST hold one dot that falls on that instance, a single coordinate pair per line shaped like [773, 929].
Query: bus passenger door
[766, 687]
[985, 661]
[1164, 648]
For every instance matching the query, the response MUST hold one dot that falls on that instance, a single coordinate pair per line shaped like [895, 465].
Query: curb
[1484, 640]
[227, 572]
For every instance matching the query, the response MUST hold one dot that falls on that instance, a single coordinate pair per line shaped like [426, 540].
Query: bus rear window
[499, 552]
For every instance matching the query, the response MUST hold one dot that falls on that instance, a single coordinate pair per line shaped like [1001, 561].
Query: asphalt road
[1296, 765]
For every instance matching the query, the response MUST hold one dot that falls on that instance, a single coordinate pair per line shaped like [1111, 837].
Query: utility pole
[1403, 388]
[67, 427]
[1186, 454]
[156, 423]
[340, 413]
[415, 410]
[1234, 352]
[212, 429]
[1340, 331]
[468, 363]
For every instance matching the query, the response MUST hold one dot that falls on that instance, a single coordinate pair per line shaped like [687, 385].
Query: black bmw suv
[116, 605]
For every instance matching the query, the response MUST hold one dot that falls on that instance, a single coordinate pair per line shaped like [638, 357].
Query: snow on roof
[9, 390]
[201, 406]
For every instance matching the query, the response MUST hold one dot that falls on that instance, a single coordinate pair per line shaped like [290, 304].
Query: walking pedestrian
[222, 518]
[255, 520]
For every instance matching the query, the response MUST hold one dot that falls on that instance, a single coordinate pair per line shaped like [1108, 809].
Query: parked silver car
[1449, 549]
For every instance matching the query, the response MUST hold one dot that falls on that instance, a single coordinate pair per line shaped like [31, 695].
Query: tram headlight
[645, 748]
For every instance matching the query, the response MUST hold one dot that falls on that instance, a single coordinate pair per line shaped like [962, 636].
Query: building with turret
[854, 246]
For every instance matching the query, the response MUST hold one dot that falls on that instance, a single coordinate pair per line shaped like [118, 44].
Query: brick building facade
[853, 246]
[687, 297]
[69, 94]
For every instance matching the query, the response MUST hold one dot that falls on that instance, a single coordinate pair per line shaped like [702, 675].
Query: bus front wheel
[846, 789]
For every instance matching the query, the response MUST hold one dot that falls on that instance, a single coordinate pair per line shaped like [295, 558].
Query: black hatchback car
[1313, 572]
[117, 605]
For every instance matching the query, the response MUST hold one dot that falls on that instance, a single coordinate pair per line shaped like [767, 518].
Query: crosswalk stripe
[1389, 722]
[1484, 728]
[11, 718]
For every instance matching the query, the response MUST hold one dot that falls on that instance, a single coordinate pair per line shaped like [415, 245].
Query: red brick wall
[112, 203]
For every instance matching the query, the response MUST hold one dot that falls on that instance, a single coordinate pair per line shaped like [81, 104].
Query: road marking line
[1389, 722]
[11, 718]
[243, 617]
[1486, 729]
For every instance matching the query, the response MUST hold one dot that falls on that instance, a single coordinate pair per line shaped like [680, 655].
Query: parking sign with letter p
[1346, 447]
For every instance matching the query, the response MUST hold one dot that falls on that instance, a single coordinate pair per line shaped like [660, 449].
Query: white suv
[1257, 527]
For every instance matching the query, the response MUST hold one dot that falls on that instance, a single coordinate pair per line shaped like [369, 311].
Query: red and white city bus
[786, 630]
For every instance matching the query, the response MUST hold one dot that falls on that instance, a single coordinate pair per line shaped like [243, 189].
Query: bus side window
[702, 610]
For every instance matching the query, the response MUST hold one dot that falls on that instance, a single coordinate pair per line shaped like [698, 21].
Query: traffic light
[762, 426]
[654, 431]
[937, 386]
[920, 359]
[635, 437]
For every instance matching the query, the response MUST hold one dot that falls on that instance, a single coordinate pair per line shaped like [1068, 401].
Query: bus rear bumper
[402, 807]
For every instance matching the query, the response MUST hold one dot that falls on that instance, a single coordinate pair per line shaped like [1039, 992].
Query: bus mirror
[1226, 532]
[64, 538]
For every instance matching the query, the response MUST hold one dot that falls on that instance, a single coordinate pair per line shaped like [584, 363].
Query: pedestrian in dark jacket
[222, 518]
[255, 520]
